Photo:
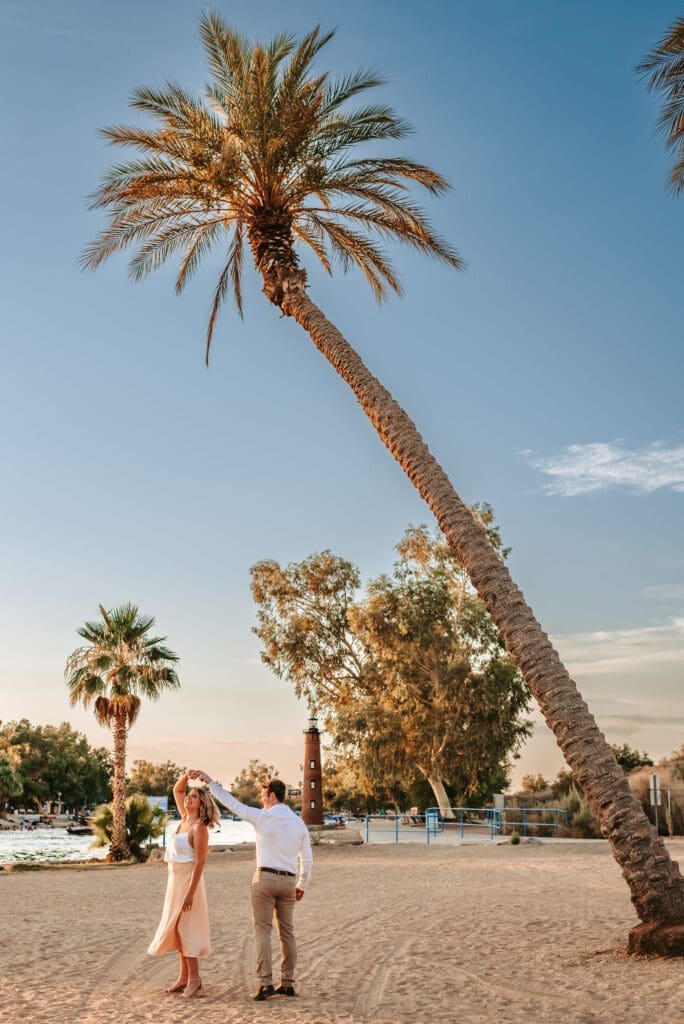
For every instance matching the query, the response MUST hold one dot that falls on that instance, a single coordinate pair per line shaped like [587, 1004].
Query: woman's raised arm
[179, 793]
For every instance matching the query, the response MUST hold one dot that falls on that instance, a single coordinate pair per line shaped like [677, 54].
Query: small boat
[79, 830]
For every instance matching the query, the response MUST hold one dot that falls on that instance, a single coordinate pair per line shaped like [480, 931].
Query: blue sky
[547, 379]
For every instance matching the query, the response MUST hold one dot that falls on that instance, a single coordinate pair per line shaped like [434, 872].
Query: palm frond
[231, 274]
[269, 151]
[664, 71]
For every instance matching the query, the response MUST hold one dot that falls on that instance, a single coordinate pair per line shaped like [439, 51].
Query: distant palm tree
[268, 161]
[119, 665]
[664, 68]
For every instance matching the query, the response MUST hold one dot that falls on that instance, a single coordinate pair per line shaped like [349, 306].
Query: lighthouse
[312, 790]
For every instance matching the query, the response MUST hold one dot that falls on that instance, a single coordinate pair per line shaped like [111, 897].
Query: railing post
[396, 828]
[367, 820]
[524, 821]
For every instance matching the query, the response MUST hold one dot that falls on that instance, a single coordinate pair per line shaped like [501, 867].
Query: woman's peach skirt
[187, 932]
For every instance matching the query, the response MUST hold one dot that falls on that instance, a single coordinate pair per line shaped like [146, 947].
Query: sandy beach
[386, 934]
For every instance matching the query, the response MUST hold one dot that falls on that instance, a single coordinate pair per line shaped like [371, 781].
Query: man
[283, 851]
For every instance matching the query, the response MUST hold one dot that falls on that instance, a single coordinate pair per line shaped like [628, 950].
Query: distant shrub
[515, 838]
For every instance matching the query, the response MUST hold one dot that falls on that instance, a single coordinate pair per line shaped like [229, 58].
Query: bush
[142, 823]
[515, 838]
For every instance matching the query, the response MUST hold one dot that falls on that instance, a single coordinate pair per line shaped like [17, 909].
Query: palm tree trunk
[118, 848]
[656, 886]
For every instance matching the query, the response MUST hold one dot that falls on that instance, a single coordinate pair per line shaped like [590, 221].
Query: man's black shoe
[285, 990]
[265, 992]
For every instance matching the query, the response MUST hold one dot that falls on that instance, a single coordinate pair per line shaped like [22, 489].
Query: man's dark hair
[277, 787]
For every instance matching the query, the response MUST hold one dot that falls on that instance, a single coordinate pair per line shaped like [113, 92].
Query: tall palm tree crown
[265, 158]
[264, 161]
[119, 665]
[664, 71]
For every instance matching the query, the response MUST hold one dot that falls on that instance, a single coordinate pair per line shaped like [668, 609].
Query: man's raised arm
[243, 811]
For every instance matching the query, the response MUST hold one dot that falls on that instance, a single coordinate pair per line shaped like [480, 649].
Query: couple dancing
[283, 869]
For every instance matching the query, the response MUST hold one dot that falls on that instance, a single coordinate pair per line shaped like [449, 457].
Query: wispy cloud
[616, 650]
[584, 468]
[671, 592]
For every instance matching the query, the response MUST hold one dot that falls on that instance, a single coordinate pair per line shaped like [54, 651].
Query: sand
[386, 934]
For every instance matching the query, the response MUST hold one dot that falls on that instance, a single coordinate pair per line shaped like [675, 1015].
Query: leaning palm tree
[664, 71]
[118, 666]
[268, 161]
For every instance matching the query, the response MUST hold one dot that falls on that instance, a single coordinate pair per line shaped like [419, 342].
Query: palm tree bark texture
[656, 885]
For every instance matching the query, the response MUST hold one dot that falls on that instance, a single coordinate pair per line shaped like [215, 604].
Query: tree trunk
[118, 848]
[437, 787]
[656, 886]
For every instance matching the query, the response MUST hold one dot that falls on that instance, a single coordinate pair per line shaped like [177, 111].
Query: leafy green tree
[10, 783]
[275, 160]
[154, 779]
[629, 759]
[534, 783]
[412, 677]
[142, 823]
[246, 786]
[51, 760]
[119, 664]
[663, 71]
[347, 787]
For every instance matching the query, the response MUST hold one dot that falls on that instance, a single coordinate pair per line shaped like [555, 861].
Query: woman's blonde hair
[208, 808]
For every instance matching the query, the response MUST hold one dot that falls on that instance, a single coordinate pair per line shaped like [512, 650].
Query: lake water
[55, 844]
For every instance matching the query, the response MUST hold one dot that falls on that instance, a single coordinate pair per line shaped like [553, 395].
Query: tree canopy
[246, 786]
[154, 779]
[47, 760]
[410, 675]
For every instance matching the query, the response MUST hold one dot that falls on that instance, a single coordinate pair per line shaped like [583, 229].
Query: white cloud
[583, 468]
[606, 652]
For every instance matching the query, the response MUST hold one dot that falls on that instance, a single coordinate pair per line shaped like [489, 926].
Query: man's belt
[276, 871]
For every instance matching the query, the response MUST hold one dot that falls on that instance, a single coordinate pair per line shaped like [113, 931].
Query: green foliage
[10, 782]
[119, 664]
[154, 779]
[534, 783]
[411, 676]
[629, 759]
[142, 823]
[663, 71]
[581, 822]
[246, 786]
[47, 760]
[515, 839]
[268, 159]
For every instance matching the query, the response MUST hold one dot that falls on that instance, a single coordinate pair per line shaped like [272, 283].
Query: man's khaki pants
[274, 894]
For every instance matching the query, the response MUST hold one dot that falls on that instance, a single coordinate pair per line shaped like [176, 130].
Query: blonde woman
[184, 924]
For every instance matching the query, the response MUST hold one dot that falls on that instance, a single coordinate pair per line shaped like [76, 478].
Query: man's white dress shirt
[282, 838]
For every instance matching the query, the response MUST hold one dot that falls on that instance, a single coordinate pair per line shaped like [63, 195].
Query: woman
[184, 924]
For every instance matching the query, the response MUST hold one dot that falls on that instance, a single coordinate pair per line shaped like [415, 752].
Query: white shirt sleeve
[244, 811]
[305, 861]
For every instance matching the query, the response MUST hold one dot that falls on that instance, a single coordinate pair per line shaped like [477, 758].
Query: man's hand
[299, 894]
[195, 773]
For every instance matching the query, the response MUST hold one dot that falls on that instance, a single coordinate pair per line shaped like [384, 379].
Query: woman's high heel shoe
[178, 986]
[193, 988]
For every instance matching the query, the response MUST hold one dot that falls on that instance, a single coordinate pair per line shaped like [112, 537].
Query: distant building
[312, 788]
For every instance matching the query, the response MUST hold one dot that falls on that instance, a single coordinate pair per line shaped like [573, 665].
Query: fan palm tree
[119, 665]
[142, 823]
[664, 70]
[268, 160]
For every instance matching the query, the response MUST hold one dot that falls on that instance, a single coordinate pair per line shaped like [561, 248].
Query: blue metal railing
[493, 819]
